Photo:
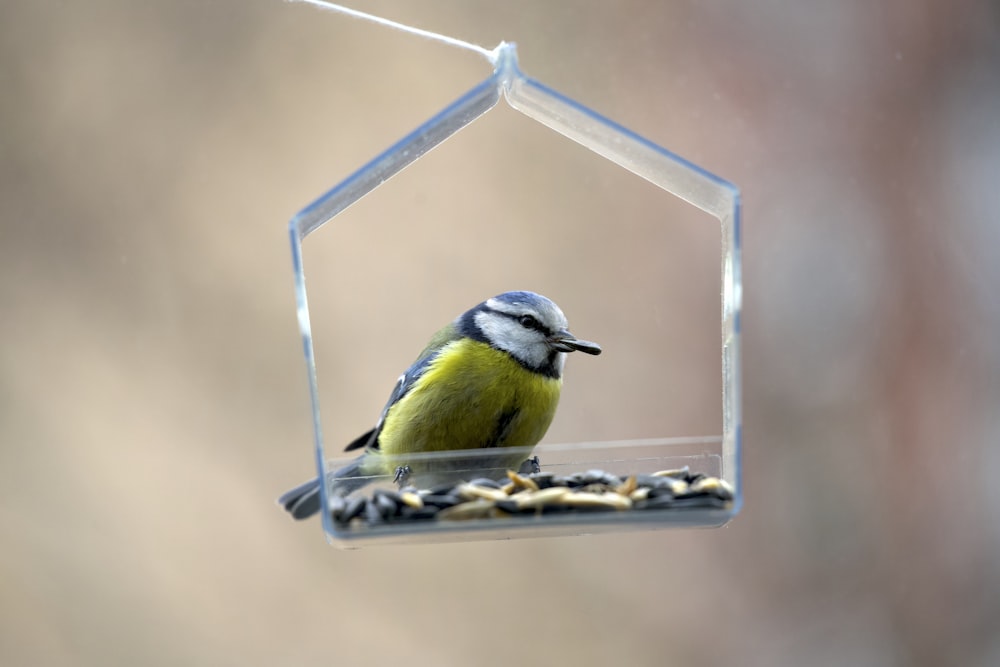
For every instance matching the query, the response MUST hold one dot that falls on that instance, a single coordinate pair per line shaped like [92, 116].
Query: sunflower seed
[487, 482]
[600, 477]
[411, 499]
[508, 506]
[441, 501]
[677, 487]
[585, 500]
[713, 486]
[337, 505]
[471, 491]
[567, 481]
[543, 479]
[473, 509]
[522, 482]
[373, 515]
[628, 486]
[639, 494]
[541, 498]
[353, 508]
[385, 502]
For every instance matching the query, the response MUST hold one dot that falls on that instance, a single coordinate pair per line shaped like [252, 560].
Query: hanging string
[490, 55]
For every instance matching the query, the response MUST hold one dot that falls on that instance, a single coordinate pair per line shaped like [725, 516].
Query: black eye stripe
[533, 323]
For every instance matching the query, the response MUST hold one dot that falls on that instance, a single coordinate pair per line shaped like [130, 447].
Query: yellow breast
[471, 396]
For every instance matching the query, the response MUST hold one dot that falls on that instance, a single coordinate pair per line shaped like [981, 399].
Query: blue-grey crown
[524, 298]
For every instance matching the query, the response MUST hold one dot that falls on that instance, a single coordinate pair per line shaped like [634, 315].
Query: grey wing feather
[304, 501]
[406, 382]
[403, 385]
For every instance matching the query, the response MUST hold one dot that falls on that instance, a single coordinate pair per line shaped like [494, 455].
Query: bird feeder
[687, 481]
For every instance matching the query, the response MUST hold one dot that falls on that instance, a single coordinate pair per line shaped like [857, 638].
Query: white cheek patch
[524, 344]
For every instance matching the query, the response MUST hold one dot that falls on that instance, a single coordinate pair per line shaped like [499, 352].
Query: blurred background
[152, 391]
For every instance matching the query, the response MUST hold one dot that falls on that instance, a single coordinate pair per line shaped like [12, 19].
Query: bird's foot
[401, 476]
[530, 466]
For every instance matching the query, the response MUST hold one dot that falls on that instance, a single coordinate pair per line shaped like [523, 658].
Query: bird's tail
[303, 501]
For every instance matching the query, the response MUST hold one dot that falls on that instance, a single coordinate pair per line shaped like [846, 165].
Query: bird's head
[529, 327]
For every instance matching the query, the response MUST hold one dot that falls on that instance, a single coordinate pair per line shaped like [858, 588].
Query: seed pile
[535, 493]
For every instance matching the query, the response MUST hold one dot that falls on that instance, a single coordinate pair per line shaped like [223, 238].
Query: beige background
[152, 392]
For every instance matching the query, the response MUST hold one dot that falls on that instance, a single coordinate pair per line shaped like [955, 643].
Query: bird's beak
[564, 341]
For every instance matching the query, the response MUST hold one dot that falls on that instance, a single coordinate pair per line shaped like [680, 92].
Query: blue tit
[489, 380]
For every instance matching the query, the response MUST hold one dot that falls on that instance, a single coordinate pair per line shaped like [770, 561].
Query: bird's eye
[529, 322]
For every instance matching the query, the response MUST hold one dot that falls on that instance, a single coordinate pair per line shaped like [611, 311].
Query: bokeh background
[152, 392]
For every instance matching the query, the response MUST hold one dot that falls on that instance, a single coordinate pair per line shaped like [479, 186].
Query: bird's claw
[530, 466]
[401, 476]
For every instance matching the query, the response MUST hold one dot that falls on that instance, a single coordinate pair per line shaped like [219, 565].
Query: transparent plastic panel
[703, 473]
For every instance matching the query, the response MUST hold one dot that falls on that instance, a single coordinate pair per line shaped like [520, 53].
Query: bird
[489, 380]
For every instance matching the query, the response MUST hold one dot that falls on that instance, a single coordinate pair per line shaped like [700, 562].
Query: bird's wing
[406, 382]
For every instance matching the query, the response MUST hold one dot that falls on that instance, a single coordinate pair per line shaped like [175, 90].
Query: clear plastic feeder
[717, 457]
